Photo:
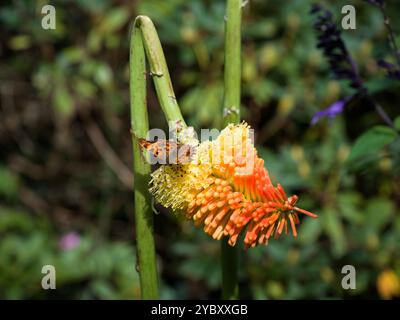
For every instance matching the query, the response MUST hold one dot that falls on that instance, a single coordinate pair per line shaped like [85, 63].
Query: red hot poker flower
[227, 189]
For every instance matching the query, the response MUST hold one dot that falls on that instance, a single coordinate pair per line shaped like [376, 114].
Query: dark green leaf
[371, 142]
[397, 123]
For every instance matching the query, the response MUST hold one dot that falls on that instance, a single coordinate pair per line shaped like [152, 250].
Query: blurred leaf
[8, 183]
[397, 123]
[95, 6]
[379, 213]
[20, 42]
[370, 143]
[113, 20]
[102, 289]
[72, 55]
[349, 207]
[63, 101]
[378, 84]
[85, 88]
[334, 229]
[15, 221]
[310, 230]
[103, 75]
[202, 268]
[275, 289]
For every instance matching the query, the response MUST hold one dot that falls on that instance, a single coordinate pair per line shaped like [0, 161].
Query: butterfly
[167, 151]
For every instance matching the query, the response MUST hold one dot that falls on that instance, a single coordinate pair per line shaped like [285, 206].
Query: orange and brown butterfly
[167, 151]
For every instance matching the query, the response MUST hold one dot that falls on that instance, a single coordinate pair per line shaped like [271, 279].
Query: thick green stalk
[232, 69]
[145, 42]
[143, 211]
[232, 76]
[158, 69]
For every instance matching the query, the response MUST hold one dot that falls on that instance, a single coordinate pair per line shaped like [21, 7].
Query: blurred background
[66, 156]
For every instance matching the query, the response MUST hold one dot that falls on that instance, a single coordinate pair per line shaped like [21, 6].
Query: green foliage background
[65, 151]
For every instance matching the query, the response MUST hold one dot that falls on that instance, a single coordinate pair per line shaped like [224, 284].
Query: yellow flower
[226, 188]
[388, 284]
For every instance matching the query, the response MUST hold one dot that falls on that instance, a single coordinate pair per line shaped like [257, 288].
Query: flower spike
[227, 190]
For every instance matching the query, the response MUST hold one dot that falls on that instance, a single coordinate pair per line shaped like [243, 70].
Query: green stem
[158, 69]
[143, 212]
[230, 262]
[145, 42]
[231, 113]
[232, 70]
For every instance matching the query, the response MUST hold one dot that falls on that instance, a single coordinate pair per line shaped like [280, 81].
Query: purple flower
[330, 41]
[330, 112]
[69, 241]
